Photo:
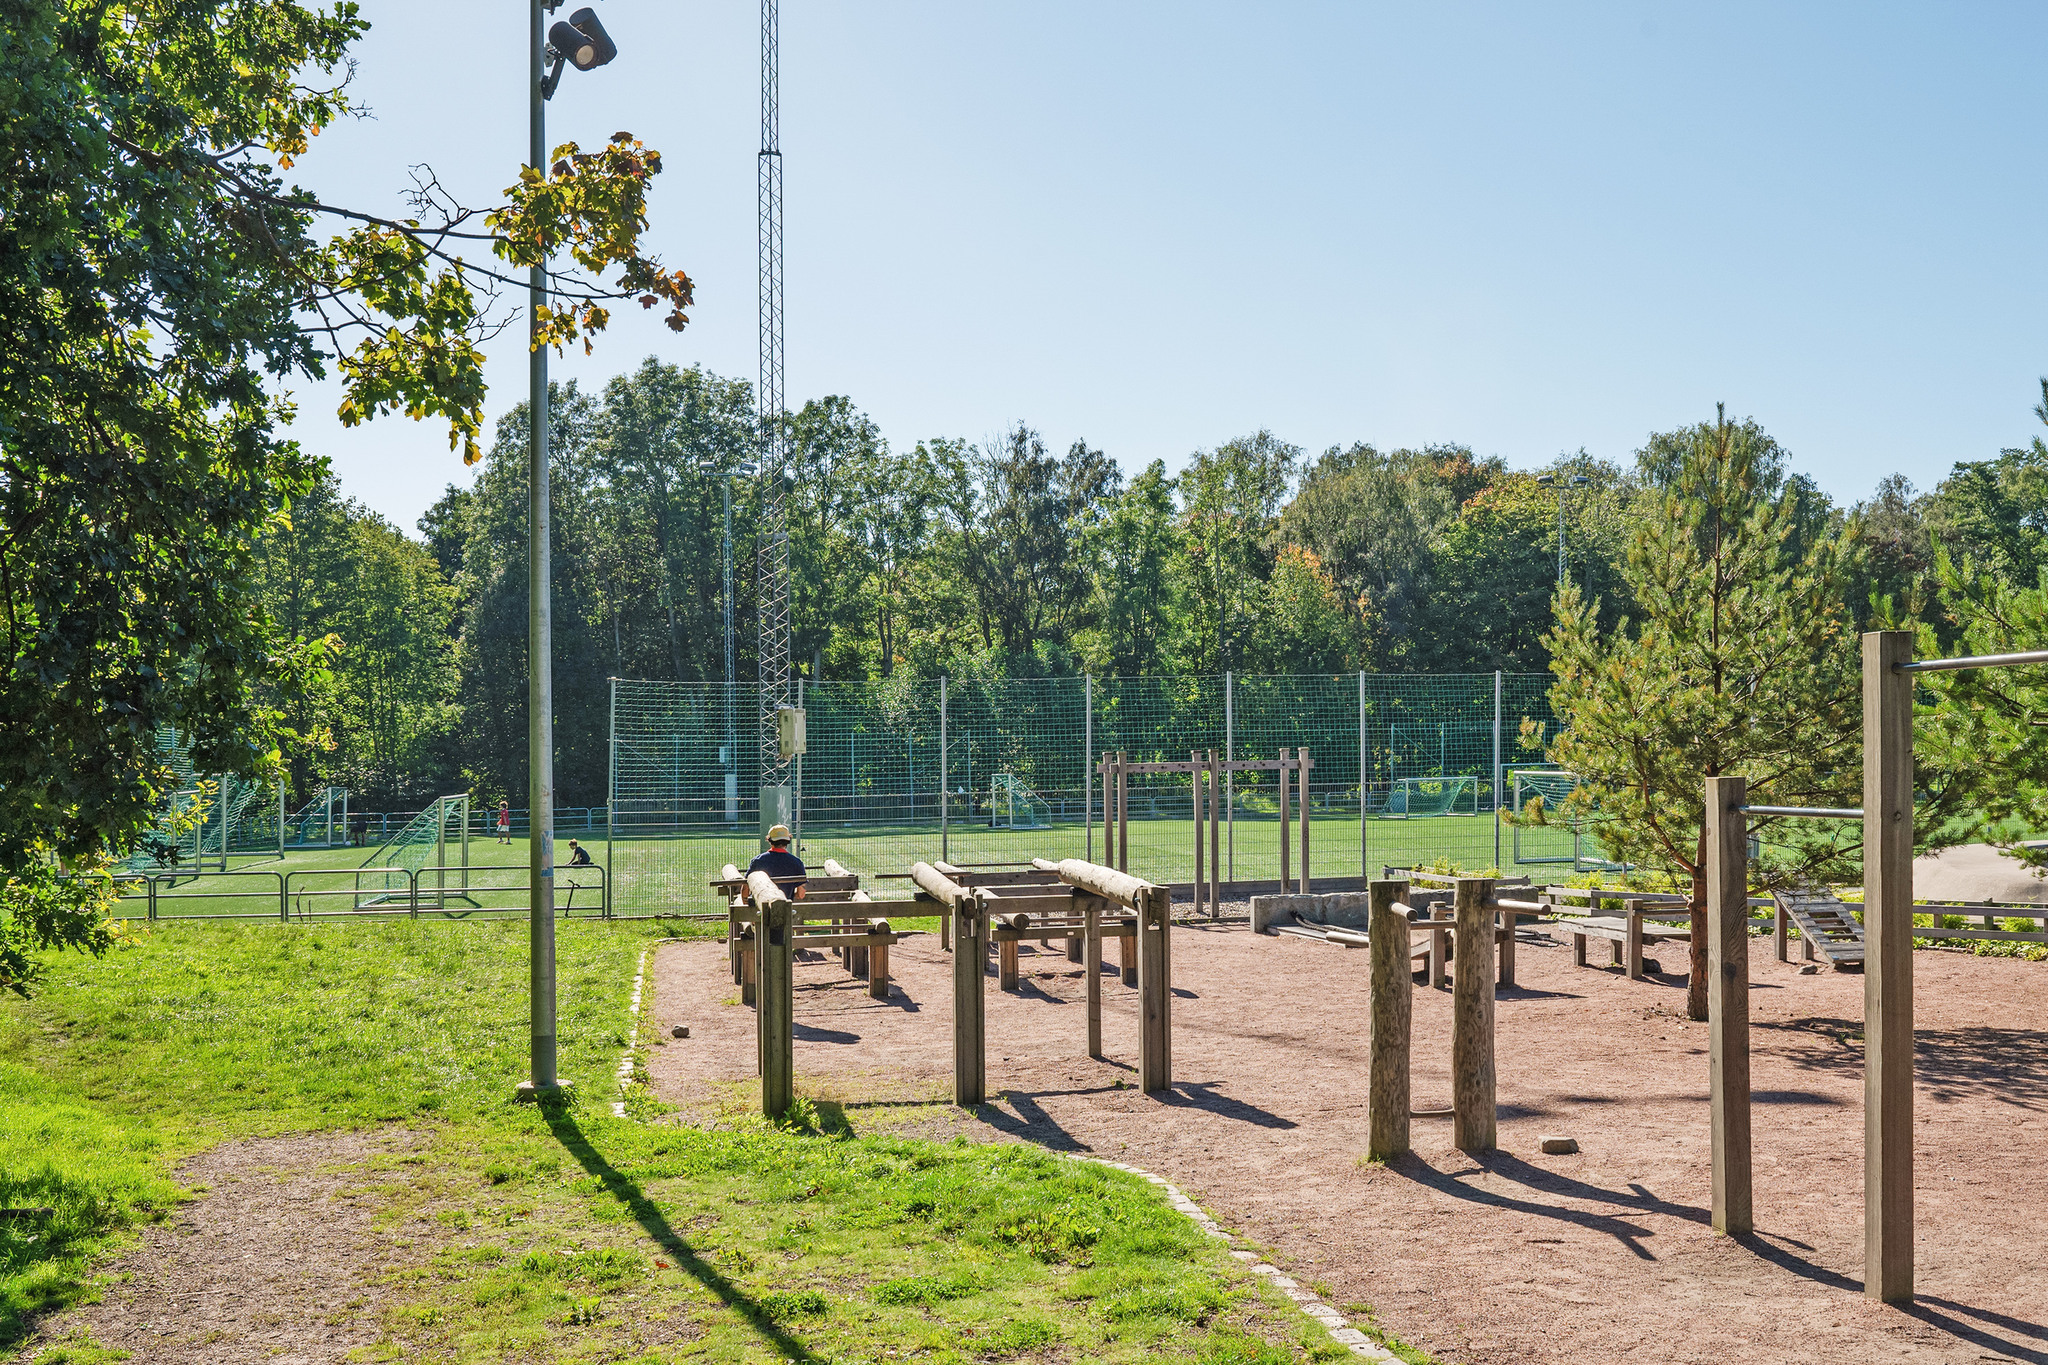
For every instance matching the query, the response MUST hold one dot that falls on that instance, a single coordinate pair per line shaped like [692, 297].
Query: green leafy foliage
[1739, 659]
[159, 277]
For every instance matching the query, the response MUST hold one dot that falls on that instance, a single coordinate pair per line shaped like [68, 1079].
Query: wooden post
[1301, 756]
[1286, 834]
[775, 1018]
[1127, 959]
[1108, 813]
[748, 994]
[1728, 1000]
[1387, 1096]
[1888, 967]
[1155, 989]
[970, 1054]
[1215, 838]
[878, 962]
[1123, 815]
[1006, 965]
[1439, 941]
[1778, 921]
[1632, 911]
[1472, 1099]
[1507, 946]
[1196, 781]
[1091, 965]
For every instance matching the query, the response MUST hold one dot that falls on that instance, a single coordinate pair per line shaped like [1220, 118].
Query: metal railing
[338, 893]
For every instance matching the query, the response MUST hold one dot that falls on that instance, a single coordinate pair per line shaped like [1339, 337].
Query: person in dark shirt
[579, 856]
[779, 863]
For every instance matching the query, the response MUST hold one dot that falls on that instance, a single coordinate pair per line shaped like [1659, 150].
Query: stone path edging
[1332, 1321]
[625, 1072]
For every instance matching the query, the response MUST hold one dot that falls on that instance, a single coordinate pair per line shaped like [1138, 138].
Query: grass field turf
[659, 875]
[554, 1232]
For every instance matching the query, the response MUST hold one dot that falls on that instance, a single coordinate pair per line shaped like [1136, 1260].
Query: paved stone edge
[624, 1075]
[1332, 1321]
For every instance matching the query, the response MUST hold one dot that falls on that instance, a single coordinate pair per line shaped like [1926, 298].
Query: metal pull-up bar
[1813, 812]
[2035, 656]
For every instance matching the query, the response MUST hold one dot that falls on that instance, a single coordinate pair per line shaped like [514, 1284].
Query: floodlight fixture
[581, 42]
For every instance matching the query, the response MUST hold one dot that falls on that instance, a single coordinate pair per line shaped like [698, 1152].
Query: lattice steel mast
[772, 565]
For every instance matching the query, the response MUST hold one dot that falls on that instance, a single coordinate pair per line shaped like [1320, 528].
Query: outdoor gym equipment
[1887, 816]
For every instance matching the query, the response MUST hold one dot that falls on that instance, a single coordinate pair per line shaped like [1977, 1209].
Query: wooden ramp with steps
[1826, 925]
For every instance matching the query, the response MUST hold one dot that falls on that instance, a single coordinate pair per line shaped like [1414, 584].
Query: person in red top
[504, 822]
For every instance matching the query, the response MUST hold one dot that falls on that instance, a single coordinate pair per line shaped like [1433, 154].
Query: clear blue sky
[1525, 228]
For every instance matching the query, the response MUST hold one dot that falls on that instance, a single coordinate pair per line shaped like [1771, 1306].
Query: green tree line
[1001, 556]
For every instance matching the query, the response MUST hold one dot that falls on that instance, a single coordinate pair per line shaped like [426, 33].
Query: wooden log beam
[1387, 1046]
[1473, 1120]
[1106, 882]
[939, 886]
[1727, 849]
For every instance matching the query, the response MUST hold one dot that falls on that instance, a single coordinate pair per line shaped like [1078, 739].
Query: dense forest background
[993, 555]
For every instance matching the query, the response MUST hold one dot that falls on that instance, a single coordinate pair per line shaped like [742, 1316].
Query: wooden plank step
[1826, 923]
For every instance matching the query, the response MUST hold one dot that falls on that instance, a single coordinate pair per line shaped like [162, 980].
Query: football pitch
[667, 873]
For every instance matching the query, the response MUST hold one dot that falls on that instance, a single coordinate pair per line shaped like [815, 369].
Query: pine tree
[1738, 660]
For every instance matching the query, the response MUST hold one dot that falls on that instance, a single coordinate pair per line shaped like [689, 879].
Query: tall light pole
[583, 43]
[745, 469]
[1553, 481]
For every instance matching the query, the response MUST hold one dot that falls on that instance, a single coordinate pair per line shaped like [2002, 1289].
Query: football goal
[1417, 797]
[1012, 805]
[438, 839]
[1543, 834]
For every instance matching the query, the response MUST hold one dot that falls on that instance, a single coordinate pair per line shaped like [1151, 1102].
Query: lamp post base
[527, 1092]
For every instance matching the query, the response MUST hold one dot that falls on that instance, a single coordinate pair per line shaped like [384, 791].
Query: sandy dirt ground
[1513, 1256]
[276, 1263]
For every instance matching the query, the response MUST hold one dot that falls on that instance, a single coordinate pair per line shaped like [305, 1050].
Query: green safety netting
[903, 769]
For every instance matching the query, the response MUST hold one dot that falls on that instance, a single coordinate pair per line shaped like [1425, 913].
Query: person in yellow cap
[778, 862]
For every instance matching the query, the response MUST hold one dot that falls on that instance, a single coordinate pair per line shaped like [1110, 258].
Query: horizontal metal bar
[1814, 812]
[2033, 656]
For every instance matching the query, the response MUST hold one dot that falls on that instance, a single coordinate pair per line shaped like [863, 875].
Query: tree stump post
[1091, 967]
[1155, 989]
[776, 1016]
[1387, 1093]
[1472, 1075]
[970, 1053]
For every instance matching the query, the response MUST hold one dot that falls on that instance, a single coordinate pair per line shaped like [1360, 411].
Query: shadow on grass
[562, 1123]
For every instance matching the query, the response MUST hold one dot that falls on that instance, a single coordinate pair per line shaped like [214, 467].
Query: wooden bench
[1628, 932]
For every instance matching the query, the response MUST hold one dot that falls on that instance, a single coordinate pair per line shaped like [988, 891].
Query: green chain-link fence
[1407, 769]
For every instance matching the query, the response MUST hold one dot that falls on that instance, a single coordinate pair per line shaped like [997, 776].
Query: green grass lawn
[555, 1234]
[668, 875]
[671, 872]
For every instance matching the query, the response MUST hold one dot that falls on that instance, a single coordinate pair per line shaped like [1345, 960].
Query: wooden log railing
[1153, 910]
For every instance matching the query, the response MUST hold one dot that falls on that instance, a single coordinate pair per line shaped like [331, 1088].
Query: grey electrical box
[789, 730]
